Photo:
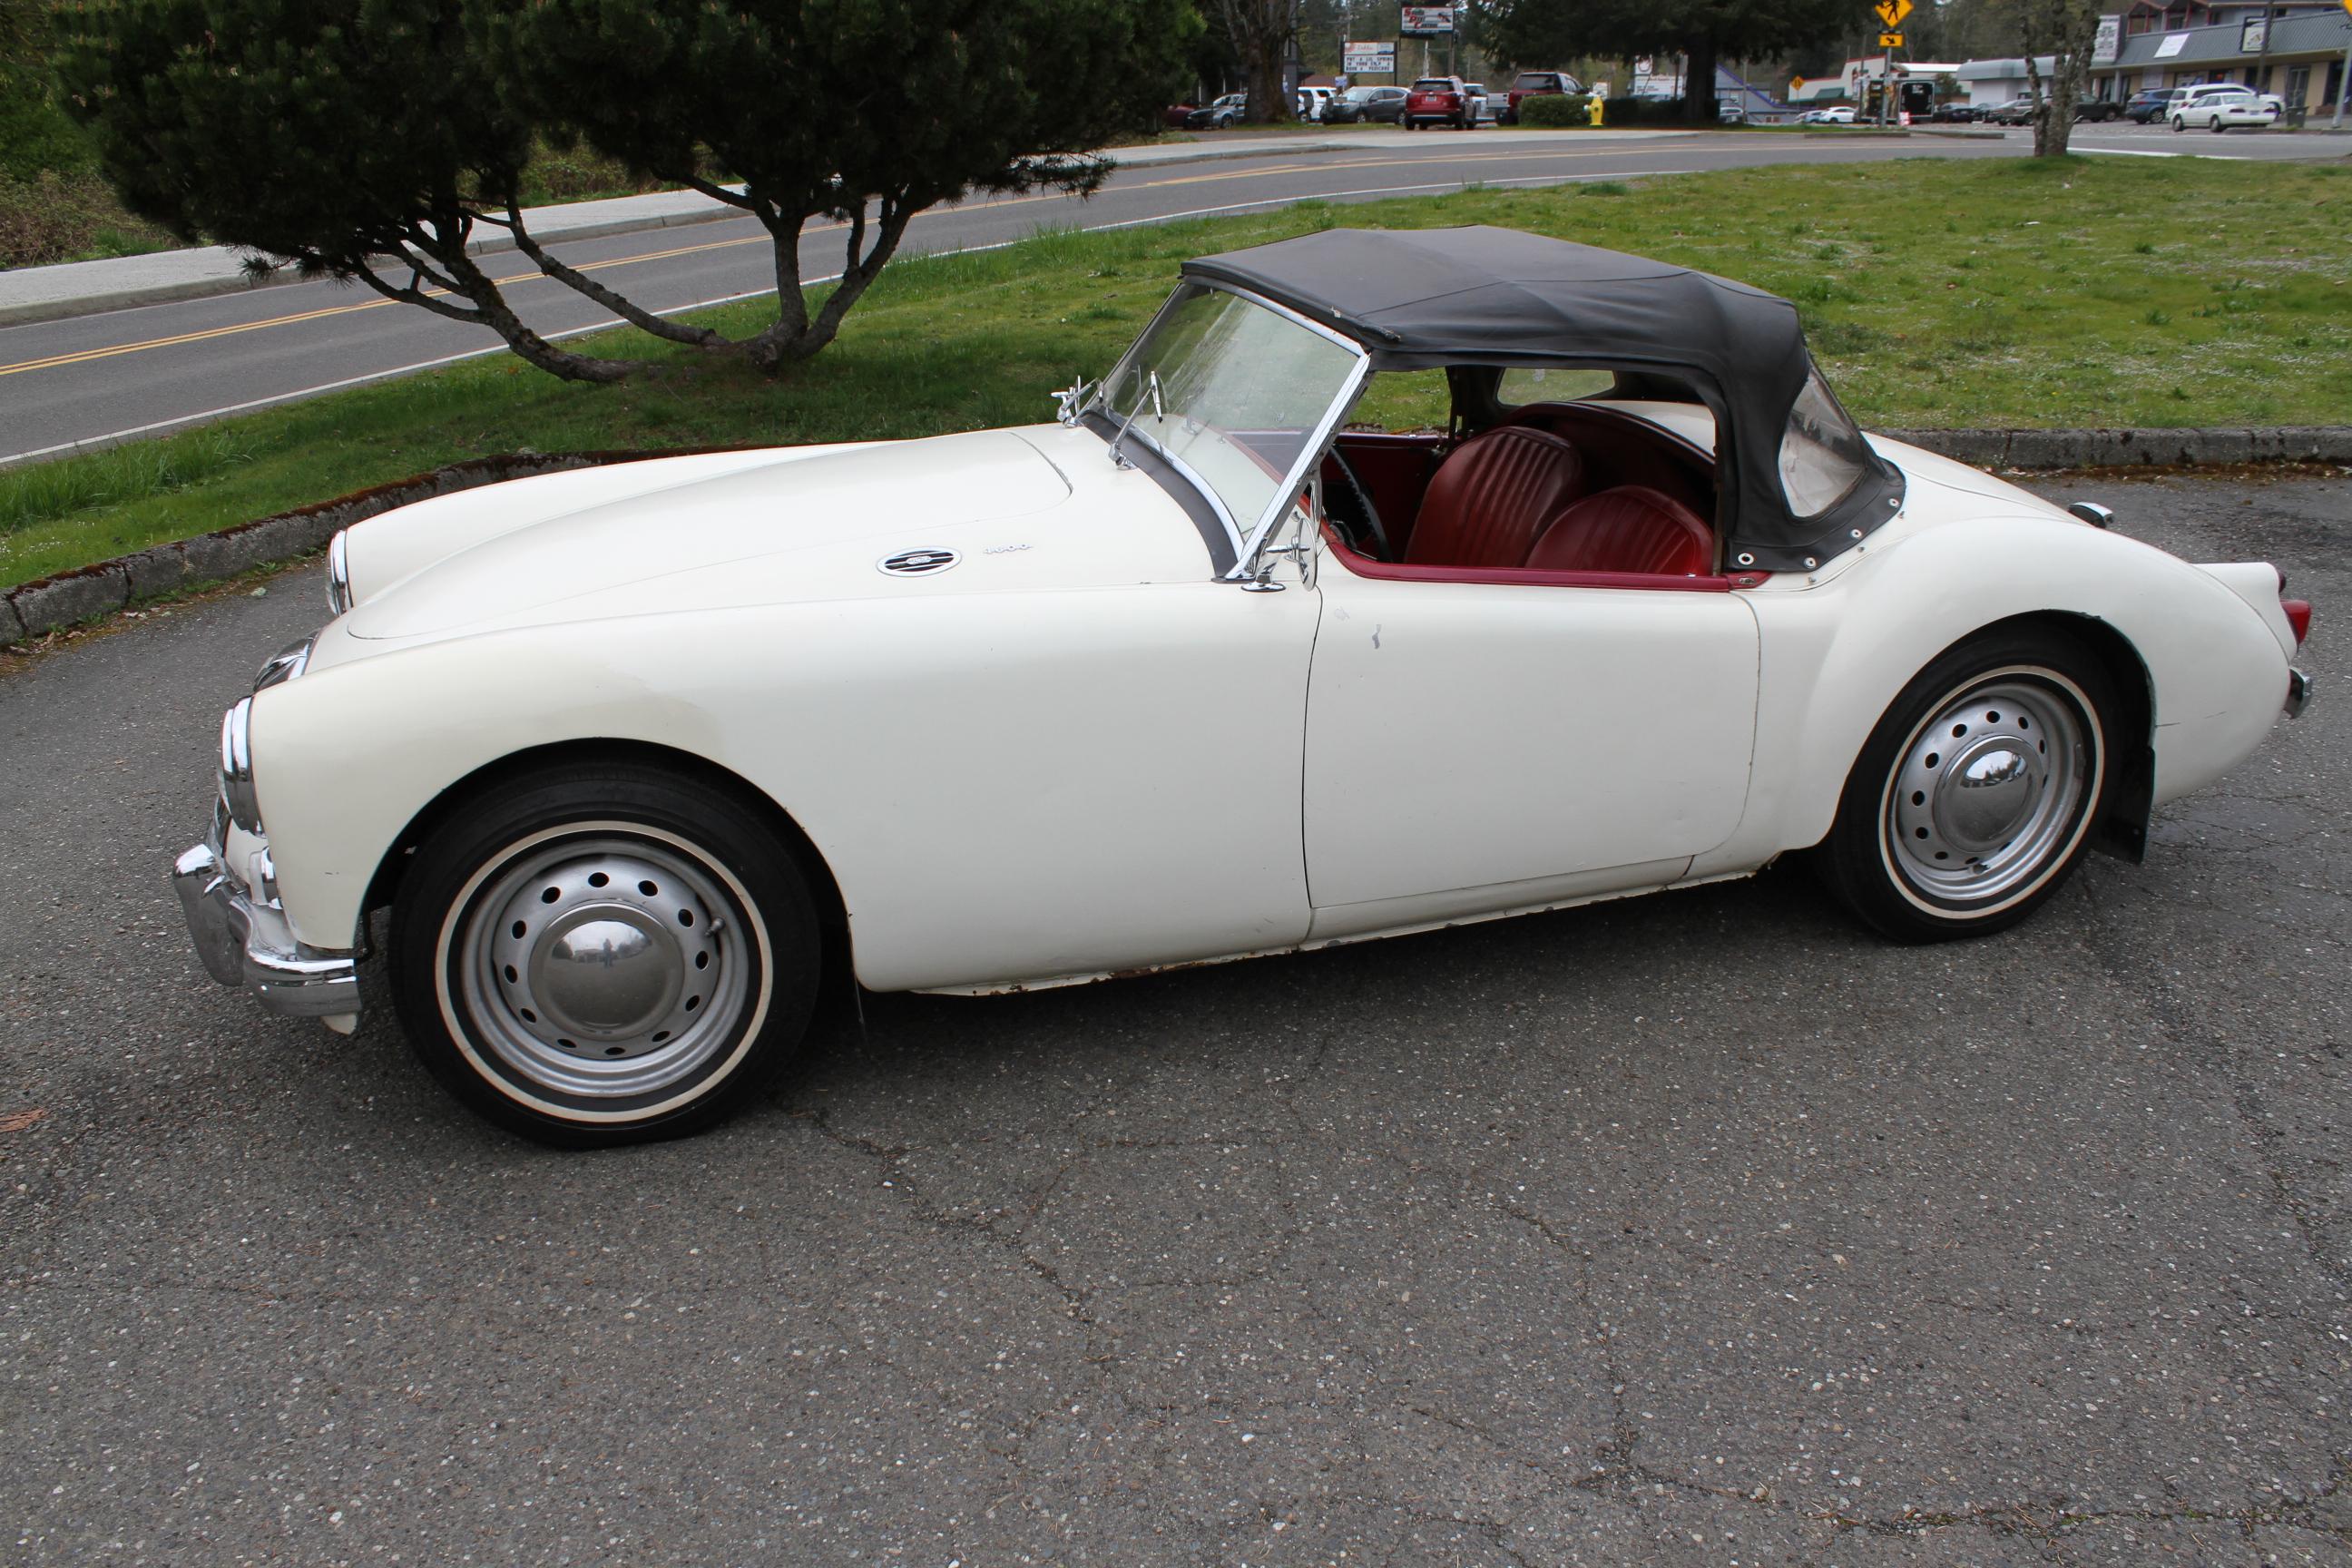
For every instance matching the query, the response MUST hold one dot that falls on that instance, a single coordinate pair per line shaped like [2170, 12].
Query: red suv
[1535, 84]
[1439, 100]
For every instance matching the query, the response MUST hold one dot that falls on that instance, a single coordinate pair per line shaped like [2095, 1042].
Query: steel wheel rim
[1987, 794]
[605, 991]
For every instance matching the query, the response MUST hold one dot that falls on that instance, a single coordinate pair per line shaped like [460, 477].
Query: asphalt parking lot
[1701, 1228]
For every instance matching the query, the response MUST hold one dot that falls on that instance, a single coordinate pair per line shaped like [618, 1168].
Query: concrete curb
[2128, 449]
[52, 604]
[228, 278]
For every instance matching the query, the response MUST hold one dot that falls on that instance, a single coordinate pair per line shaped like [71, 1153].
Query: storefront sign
[2254, 35]
[1428, 22]
[1362, 59]
[2109, 44]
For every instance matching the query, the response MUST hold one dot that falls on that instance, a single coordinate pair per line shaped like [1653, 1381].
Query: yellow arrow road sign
[1890, 40]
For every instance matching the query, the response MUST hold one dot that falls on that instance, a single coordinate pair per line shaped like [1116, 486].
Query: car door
[1486, 744]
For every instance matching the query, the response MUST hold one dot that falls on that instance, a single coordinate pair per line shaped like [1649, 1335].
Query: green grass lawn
[1935, 293]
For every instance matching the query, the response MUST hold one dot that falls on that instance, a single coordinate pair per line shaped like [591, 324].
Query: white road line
[97, 442]
[2148, 152]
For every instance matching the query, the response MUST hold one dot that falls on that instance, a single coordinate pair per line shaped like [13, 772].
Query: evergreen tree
[334, 136]
[864, 112]
[1538, 32]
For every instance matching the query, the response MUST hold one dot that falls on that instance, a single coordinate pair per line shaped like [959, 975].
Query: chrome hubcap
[604, 966]
[1987, 790]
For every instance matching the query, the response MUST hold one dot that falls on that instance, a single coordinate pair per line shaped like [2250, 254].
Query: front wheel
[605, 953]
[2178, 124]
[1976, 796]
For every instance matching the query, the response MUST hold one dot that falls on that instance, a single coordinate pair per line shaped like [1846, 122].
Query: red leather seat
[1490, 499]
[1630, 528]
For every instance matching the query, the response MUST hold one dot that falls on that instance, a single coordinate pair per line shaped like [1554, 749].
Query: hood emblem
[917, 563]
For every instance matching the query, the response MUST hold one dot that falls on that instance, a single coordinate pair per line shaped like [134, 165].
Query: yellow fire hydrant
[1592, 108]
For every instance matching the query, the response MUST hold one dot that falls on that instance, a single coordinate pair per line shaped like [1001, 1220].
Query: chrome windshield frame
[1247, 542]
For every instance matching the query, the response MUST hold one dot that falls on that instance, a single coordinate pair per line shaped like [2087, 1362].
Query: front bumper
[248, 944]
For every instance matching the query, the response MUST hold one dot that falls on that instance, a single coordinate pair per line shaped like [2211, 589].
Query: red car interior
[1629, 529]
[1492, 497]
[1557, 491]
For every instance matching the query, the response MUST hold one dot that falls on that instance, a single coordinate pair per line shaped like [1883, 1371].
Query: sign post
[1890, 16]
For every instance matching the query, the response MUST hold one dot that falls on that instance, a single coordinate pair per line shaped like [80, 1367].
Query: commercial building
[2303, 65]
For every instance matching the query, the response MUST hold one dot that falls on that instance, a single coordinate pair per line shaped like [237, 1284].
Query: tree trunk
[1261, 31]
[1268, 104]
[1698, 80]
[437, 257]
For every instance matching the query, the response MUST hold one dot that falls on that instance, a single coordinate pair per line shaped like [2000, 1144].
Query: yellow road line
[83, 356]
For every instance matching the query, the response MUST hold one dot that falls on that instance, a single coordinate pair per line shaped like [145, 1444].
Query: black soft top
[1419, 299]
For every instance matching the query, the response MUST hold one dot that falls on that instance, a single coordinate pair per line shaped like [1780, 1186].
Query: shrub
[1552, 110]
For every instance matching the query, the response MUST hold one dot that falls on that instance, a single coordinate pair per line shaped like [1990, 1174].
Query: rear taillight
[2298, 618]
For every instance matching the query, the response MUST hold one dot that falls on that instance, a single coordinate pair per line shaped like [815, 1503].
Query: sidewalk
[30, 294]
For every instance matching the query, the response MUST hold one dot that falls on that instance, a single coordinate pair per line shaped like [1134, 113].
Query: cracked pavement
[1699, 1228]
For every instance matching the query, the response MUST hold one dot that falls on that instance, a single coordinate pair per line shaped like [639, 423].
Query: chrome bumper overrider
[248, 945]
[2298, 693]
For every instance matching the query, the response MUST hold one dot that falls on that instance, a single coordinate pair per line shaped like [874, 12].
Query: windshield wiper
[1150, 389]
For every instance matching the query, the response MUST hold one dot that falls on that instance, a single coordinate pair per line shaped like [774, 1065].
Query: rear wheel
[1976, 794]
[2179, 124]
[603, 954]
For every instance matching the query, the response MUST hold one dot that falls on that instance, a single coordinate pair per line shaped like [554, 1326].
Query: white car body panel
[1553, 731]
[1074, 753]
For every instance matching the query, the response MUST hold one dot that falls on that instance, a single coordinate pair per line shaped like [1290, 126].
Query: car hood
[1017, 511]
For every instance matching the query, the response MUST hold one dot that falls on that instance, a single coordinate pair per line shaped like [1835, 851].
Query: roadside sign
[1890, 40]
[1892, 11]
[1428, 22]
[1368, 59]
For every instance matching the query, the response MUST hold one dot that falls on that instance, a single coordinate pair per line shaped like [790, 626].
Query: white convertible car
[637, 757]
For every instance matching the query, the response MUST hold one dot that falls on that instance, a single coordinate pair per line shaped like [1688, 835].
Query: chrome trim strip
[241, 947]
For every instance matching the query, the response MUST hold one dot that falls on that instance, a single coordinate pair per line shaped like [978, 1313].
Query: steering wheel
[1359, 501]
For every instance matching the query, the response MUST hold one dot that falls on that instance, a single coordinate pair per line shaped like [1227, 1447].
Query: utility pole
[2262, 58]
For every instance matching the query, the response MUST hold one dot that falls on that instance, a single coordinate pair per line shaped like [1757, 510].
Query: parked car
[637, 757]
[2147, 106]
[1311, 101]
[1535, 84]
[1836, 114]
[1178, 116]
[2184, 97]
[2219, 112]
[1365, 106]
[1439, 100]
[2014, 111]
[1727, 112]
[1953, 113]
[1219, 113]
[2097, 110]
[1476, 93]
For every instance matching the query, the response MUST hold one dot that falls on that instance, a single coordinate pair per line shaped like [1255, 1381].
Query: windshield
[1241, 393]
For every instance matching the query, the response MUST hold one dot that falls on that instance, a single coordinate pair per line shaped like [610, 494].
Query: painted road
[107, 377]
